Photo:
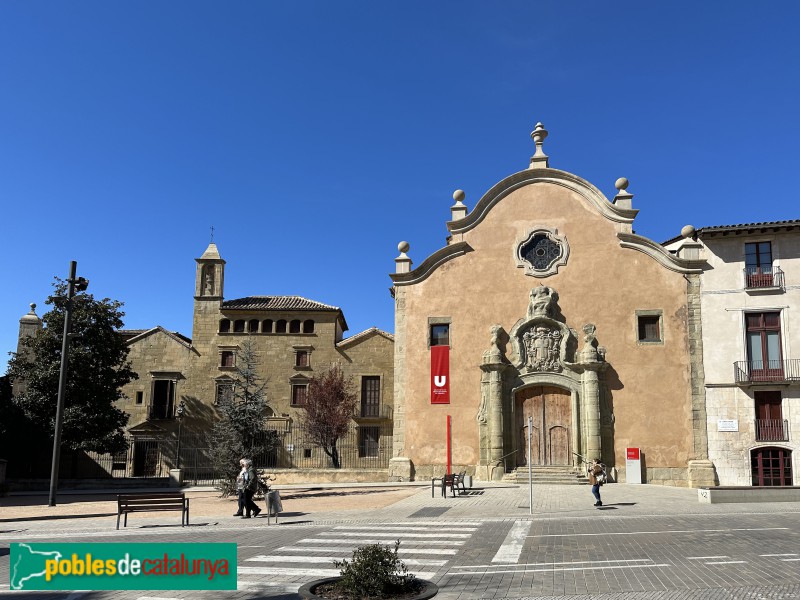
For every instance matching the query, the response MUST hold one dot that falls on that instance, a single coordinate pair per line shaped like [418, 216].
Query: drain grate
[430, 512]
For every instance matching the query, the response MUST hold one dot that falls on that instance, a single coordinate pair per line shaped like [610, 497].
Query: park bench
[156, 501]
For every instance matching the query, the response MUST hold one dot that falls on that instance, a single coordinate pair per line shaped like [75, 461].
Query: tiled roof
[276, 303]
[741, 228]
[364, 334]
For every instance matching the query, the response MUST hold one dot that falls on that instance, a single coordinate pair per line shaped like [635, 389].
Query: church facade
[544, 312]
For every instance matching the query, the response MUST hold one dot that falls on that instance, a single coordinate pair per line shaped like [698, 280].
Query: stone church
[545, 311]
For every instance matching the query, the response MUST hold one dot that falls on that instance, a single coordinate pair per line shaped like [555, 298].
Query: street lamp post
[73, 284]
[179, 413]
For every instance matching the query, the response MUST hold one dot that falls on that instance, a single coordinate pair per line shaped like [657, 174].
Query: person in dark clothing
[246, 486]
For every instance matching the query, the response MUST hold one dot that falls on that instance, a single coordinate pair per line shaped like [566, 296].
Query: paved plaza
[645, 543]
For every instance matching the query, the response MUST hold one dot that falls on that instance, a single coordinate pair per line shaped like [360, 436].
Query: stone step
[550, 475]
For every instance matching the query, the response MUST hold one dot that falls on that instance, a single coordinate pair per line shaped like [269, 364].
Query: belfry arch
[543, 375]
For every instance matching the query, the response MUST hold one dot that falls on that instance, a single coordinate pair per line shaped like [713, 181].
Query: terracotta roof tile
[276, 303]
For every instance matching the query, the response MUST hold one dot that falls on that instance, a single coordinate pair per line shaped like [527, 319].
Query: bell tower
[208, 290]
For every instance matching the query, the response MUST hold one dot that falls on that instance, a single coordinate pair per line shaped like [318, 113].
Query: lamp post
[73, 284]
[179, 412]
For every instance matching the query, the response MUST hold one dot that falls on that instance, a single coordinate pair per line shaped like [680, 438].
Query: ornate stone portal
[544, 355]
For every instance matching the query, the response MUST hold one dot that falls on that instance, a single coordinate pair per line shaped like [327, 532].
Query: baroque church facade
[545, 312]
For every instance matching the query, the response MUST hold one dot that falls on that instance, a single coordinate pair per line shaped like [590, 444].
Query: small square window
[139, 397]
[306, 452]
[299, 394]
[224, 392]
[301, 358]
[649, 328]
[440, 335]
[226, 358]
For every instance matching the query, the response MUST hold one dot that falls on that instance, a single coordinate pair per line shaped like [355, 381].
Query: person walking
[250, 487]
[597, 477]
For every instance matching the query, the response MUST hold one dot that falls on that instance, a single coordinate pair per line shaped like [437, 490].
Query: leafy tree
[98, 369]
[330, 403]
[242, 407]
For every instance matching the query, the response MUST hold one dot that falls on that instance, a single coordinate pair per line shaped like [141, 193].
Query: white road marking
[399, 534]
[383, 528]
[352, 547]
[727, 562]
[790, 559]
[546, 564]
[155, 598]
[511, 548]
[329, 559]
[561, 569]
[252, 546]
[383, 541]
[652, 532]
[270, 587]
[704, 557]
[305, 572]
[786, 554]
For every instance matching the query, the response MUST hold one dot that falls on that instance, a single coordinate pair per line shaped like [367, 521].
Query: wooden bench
[157, 501]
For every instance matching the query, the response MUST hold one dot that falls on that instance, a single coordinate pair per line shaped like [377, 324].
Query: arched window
[308, 326]
[266, 326]
[294, 326]
[252, 326]
[268, 412]
[224, 326]
[280, 326]
[238, 326]
[771, 466]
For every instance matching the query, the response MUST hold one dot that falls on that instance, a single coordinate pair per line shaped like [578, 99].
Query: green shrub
[375, 572]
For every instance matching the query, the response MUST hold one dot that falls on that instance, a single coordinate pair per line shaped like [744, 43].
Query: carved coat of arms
[542, 349]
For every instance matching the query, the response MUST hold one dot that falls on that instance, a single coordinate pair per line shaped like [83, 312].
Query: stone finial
[494, 355]
[688, 231]
[539, 160]
[33, 308]
[459, 209]
[402, 262]
[623, 199]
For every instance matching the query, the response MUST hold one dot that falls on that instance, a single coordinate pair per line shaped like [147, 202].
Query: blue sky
[315, 136]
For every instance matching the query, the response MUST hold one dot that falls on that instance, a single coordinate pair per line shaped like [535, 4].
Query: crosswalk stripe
[306, 572]
[384, 541]
[400, 534]
[268, 586]
[330, 559]
[399, 528]
[351, 547]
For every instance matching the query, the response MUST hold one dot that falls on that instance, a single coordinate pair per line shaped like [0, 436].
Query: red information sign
[440, 374]
[632, 453]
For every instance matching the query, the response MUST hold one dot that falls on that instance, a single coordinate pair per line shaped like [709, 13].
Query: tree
[98, 369]
[330, 403]
[242, 405]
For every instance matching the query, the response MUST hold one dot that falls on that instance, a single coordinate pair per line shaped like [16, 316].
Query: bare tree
[330, 402]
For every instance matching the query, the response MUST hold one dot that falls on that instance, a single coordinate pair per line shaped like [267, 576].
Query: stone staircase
[550, 475]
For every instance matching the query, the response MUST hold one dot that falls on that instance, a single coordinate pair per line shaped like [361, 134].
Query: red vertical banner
[440, 374]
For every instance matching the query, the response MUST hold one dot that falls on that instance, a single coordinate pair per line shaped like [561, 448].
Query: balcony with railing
[763, 278]
[772, 430]
[374, 411]
[767, 371]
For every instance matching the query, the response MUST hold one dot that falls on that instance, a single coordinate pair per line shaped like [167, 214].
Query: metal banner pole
[530, 463]
[449, 451]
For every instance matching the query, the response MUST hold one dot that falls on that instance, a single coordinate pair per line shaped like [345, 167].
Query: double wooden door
[551, 411]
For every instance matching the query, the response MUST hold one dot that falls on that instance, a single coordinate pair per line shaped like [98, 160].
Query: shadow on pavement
[55, 517]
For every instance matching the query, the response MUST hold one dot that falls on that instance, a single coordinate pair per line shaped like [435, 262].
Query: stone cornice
[430, 264]
[500, 190]
[657, 252]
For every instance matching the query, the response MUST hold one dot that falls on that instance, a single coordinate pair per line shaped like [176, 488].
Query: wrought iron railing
[766, 371]
[763, 277]
[772, 430]
[373, 411]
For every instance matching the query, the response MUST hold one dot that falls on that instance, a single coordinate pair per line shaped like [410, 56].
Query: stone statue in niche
[542, 347]
[541, 303]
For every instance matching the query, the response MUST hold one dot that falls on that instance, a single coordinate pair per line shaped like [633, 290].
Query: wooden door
[551, 411]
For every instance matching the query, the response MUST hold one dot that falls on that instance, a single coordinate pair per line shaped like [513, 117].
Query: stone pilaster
[591, 403]
[400, 467]
[701, 469]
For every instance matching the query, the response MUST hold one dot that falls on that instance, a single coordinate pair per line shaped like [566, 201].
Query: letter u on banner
[440, 374]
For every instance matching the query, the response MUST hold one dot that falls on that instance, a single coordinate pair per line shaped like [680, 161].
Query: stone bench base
[717, 495]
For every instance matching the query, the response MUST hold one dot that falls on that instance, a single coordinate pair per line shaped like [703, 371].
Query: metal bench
[157, 501]
[454, 481]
